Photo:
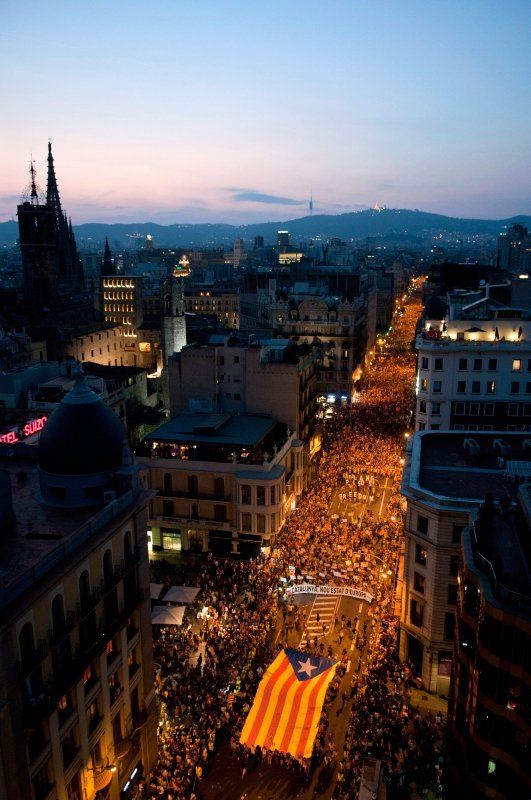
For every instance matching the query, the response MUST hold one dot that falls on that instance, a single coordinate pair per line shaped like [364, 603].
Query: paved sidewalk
[425, 701]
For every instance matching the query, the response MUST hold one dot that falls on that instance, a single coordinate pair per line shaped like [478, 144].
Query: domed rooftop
[82, 436]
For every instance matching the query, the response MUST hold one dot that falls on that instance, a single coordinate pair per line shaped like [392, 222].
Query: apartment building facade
[77, 696]
[223, 482]
[446, 477]
[490, 701]
[474, 372]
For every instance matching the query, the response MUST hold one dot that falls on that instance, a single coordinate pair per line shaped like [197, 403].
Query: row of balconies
[68, 671]
[39, 747]
[218, 498]
[425, 341]
[193, 521]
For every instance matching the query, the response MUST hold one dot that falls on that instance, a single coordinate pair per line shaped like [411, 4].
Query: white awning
[155, 589]
[181, 594]
[167, 615]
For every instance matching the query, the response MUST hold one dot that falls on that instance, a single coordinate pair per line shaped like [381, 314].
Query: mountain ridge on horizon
[404, 224]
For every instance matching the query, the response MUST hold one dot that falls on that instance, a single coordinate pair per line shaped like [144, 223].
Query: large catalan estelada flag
[287, 707]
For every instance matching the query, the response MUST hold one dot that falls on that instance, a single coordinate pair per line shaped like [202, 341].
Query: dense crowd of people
[207, 673]
[383, 726]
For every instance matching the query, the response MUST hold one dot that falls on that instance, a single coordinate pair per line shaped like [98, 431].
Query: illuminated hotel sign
[28, 429]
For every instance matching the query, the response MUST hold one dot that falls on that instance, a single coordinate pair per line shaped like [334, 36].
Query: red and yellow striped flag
[287, 707]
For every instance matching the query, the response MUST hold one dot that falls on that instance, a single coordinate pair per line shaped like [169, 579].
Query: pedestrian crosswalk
[321, 618]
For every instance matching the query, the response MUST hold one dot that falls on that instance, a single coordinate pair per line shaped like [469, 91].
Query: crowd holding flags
[287, 707]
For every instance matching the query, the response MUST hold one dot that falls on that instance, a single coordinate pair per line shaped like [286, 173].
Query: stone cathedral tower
[52, 267]
[173, 329]
[173, 319]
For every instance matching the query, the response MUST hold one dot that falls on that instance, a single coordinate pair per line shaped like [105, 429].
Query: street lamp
[102, 776]
[106, 768]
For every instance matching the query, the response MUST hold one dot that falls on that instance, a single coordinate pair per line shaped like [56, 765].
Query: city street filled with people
[345, 531]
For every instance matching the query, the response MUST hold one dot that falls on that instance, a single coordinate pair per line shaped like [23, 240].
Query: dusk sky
[201, 111]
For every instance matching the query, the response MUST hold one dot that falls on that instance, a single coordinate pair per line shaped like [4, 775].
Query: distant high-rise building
[238, 253]
[514, 249]
[283, 240]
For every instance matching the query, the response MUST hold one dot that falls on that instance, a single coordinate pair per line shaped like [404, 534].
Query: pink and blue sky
[178, 111]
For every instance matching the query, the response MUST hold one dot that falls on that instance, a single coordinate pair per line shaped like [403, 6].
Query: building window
[478, 364]
[247, 522]
[438, 364]
[435, 427]
[416, 613]
[493, 364]
[476, 387]
[526, 410]
[491, 387]
[167, 508]
[515, 387]
[93, 715]
[457, 530]
[517, 365]
[449, 627]
[425, 362]
[236, 359]
[488, 409]
[260, 523]
[436, 409]
[421, 555]
[260, 495]
[458, 427]
[452, 594]
[422, 406]
[474, 409]
[459, 409]
[424, 385]
[463, 364]
[272, 495]
[220, 513]
[461, 387]
[246, 494]
[437, 386]
[237, 396]
[512, 409]
[422, 524]
[528, 387]
[419, 582]
[454, 566]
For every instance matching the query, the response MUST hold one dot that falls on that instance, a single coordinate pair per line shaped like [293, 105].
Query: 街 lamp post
[102, 776]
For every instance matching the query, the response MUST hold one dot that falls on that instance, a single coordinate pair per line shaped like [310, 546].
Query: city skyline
[237, 114]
